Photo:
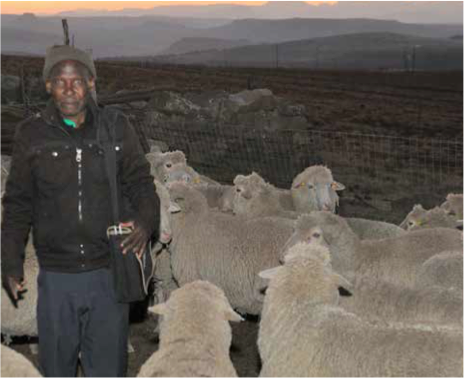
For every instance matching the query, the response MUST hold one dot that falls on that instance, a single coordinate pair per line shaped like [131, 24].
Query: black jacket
[58, 185]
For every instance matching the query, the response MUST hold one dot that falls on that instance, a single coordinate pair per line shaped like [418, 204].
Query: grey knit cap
[59, 53]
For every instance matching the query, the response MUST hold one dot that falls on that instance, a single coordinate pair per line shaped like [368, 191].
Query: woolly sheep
[304, 333]
[254, 197]
[195, 334]
[161, 163]
[184, 173]
[218, 196]
[381, 301]
[314, 189]
[394, 259]
[443, 270]
[16, 365]
[373, 229]
[453, 205]
[224, 249]
[420, 218]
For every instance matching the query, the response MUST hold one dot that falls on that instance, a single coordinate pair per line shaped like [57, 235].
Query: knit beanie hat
[59, 53]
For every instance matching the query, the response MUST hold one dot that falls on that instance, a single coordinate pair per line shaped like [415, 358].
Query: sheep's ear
[269, 273]
[337, 186]
[160, 309]
[418, 207]
[238, 178]
[232, 316]
[298, 185]
[342, 282]
[174, 207]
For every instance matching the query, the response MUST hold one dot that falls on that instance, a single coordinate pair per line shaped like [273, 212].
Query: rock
[171, 103]
[252, 100]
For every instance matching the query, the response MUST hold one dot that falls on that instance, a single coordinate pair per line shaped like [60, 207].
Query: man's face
[70, 87]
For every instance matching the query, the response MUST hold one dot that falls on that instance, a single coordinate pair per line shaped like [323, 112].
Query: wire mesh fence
[388, 168]
[222, 152]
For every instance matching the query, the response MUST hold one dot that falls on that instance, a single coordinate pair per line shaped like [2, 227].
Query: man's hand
[136, 241]
[14, 287]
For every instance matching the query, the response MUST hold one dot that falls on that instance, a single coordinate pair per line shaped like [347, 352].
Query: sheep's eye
[238, 190]
[310, 187]
[317, 235]
[410, 223]
[168, 164]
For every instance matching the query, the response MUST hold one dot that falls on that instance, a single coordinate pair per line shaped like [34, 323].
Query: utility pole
[64, 22]
[414, 47]
[317, 57]
[277, 56]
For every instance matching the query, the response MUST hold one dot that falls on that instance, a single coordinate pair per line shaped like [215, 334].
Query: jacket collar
[52, 116]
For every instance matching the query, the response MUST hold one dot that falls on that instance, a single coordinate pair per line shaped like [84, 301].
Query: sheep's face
[453, 205]
[180, 173]
[309, 237]
[247, 189]
[163, 163]
[187, 198]
[316, 190]
[415, 219]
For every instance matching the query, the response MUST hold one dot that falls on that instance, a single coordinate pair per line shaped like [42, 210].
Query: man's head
[69, 75]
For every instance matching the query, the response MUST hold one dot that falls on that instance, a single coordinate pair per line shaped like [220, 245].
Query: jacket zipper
[79, 172]
[79, 181]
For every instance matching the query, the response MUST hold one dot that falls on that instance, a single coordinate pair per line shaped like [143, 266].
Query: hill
[350, 51]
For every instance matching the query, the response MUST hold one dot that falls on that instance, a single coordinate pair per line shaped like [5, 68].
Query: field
[348, 113]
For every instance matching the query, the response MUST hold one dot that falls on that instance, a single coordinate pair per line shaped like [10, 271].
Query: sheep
[195, 334]
[420, 218]
[453, 205]
[442, 270]
[14, 364]
[184, 173]
[224, 249]
[305, 333]
[382, 301]
[394, 259]
[161, 163]
[254, 197]
[314, 189]
[373, 229]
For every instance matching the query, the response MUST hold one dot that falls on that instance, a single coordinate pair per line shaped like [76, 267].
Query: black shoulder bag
[131, 275]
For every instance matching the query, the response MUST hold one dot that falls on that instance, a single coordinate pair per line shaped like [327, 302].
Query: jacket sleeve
[137, 182]
[17, 208]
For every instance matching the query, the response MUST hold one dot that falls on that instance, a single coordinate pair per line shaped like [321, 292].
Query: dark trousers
[78, 313]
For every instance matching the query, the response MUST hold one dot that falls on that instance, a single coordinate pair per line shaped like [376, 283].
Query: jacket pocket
[53, 169]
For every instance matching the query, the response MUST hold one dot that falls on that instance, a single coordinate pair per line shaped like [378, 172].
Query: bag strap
[106, 136]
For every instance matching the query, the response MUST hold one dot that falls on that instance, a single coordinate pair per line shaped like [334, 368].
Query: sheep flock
[335, 296]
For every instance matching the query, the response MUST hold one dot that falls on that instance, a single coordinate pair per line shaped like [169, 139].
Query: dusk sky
[51, 7]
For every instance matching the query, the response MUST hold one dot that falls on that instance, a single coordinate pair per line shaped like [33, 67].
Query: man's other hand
[14, 287]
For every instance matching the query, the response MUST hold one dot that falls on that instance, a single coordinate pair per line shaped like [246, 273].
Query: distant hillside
[300, 28]
[350, 51]
[404, 11]
[192, 44]
[150, 35]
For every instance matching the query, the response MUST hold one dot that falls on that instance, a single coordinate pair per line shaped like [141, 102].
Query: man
[58, 184]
